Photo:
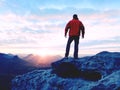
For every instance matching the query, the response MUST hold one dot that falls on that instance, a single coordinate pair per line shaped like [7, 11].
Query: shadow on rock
[69, 70]
[66, 70]
[90, 75]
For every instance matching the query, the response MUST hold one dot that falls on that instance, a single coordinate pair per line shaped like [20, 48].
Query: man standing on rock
[75, 28]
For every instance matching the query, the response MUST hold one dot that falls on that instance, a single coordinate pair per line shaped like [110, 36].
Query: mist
[41, 61]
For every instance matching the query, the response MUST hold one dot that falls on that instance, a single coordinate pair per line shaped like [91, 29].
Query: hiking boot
[65, 57]
[76, 58]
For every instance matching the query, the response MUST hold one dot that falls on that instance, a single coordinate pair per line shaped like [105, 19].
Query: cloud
[21, 29]
[105, 42]
[101, 25]
[46, 29]
[1, 3]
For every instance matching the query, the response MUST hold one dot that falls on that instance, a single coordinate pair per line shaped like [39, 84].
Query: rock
[45, 80]
[110, 82]
[91, 75]
[67, 70]
[118, 88]
[103, 69]
[104, 62]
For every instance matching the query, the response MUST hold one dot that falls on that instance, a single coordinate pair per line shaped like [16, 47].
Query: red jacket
[74, 27]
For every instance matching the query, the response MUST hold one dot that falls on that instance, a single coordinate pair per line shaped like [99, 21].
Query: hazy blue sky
[37, 26]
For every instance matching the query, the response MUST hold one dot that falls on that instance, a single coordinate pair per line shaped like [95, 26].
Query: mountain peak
[100, 64]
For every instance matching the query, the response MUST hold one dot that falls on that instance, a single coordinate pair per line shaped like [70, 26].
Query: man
[75, 28]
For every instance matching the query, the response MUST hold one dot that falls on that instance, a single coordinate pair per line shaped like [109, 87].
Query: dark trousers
[76, 42]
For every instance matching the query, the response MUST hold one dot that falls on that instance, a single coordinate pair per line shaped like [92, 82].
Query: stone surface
[66, 70]
[106, 63]
[70, 70]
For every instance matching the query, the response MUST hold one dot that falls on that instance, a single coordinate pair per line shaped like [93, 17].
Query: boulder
[91, 75]
[104, 65]
[69, 69]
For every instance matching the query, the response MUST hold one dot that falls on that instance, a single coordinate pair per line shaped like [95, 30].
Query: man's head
[75, 16]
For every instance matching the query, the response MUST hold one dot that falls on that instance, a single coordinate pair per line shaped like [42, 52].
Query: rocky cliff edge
[98, 72]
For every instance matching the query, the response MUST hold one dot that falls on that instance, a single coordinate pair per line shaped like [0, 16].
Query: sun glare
[44, 52]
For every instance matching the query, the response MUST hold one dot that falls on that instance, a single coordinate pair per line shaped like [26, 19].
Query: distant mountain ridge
[106, 63]
[41, 61]
[12, 63]
[10, 66]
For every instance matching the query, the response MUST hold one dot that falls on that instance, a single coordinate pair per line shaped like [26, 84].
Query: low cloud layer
[41, 61]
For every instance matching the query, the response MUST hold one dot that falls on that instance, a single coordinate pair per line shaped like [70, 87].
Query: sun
[44, 52]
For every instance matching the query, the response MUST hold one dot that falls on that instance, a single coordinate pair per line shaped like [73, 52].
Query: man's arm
[83, 31]
[66, 29]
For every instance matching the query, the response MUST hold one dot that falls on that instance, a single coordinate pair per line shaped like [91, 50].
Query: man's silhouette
[75, 28]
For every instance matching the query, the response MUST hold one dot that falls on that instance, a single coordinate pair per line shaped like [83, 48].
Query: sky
[37, 26]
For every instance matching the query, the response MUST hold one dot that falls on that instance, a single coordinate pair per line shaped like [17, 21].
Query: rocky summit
[98, 72]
